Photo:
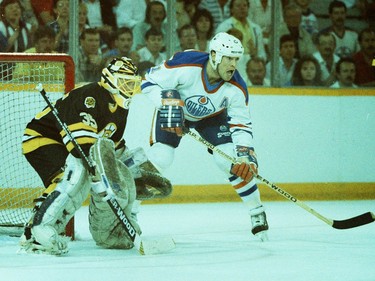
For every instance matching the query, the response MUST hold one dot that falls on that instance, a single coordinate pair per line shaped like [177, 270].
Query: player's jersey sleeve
[168, 75]
[239, 117]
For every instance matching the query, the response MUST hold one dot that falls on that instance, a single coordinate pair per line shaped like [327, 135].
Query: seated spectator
[326, 57]
[292, 26]
[260, 12]
[252, 33]
[307, 72]
[218, 8]
[101, 16]
[287, 61]
[43, 39]
[187, 36]
[90, 57]
[256, 73]
[346, 38]
[155, 15]
[154, 44]
[242, 62]
[345, 74]
[43, 11]
[13, 28]
[204, 26]
[122, 47]
[309, 20]
[365, 72]
[182, 17]
[130, 12]
[61, 25]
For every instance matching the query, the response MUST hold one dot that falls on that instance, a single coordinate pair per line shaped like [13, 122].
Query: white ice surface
[213, 242]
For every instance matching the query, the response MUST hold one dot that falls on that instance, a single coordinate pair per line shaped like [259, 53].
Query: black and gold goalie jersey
[88, 111]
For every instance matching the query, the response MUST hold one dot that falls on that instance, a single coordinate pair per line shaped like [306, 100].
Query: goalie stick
[363, 219]
[143, 247]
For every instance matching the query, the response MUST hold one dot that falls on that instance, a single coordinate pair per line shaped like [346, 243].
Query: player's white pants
[162, 155]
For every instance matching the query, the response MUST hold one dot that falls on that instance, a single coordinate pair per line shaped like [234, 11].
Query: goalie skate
[260, 226]
[33, 247]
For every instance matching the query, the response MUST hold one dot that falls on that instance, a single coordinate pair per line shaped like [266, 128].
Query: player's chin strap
[144, 247]
[363, 219]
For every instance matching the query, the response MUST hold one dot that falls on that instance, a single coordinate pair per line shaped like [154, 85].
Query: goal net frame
[19, 75]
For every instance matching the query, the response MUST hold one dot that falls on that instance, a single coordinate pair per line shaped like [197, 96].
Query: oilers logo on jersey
[199, 106]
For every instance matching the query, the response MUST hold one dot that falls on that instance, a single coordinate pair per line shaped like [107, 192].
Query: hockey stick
[144, 247]
[365, 218]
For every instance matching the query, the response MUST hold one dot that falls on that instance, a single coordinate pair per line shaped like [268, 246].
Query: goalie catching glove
[246, 166]
[171, 114]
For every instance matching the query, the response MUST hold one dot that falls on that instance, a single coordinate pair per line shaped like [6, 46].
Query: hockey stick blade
[155, 247]
[363, 219]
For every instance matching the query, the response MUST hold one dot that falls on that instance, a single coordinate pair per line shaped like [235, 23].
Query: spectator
[43, 10]
[292, 26]
[82, 17]
[191, 7]
[204, 26]
[260, 12]
[365, 72]
[61, 25]
[287, 60]
[129, 13]
[346, 39]
[13, 28]
[187, 37]
[101, 16]
[252, 33]
[307, 72]
[28, 14]
[242, 62]
[182, 17]
[122, 46]
[309, 20]
[155, 15]
[367, 8]
[218, 8]
[326, 45]
[256, 73]
[43, 39]
[345, 73]
[154, 44]
[90, 57]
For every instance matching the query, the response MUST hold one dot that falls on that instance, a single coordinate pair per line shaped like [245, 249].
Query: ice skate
[260, 226]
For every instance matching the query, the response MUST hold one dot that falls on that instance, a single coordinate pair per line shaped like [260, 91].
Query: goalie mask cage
[20, 102]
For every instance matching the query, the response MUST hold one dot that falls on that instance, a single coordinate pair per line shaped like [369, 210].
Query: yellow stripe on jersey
[35, 143]
[78, 127]
[373, 62]
[31, 132]
[80, 141]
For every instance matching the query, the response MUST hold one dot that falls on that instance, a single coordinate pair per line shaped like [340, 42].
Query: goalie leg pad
[105, 228]
[59, 207]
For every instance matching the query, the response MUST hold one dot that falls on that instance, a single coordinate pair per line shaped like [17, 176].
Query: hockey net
[20, 101]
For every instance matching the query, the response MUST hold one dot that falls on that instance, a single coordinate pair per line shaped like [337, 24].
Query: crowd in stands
[310, 54]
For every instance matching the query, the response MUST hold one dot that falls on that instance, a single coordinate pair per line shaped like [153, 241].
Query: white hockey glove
[171, 113]
[246, 166]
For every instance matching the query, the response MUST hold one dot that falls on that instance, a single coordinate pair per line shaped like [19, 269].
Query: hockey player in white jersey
[205, 92]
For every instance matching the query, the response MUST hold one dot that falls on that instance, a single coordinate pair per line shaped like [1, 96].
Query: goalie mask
[224, 44]
[122, 80]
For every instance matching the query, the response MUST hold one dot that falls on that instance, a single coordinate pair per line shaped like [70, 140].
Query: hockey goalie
[95, 116]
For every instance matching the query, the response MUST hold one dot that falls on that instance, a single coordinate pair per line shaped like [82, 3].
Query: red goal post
[19, 102]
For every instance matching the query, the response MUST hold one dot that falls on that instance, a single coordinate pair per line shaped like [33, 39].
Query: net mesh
[19, 102]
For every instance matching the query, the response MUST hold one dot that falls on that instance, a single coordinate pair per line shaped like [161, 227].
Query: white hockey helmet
[224, 44]
[122, 80]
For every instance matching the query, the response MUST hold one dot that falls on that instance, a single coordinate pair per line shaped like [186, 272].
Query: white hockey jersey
[186, 72]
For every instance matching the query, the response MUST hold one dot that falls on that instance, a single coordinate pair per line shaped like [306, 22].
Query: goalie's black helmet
[122, 80]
